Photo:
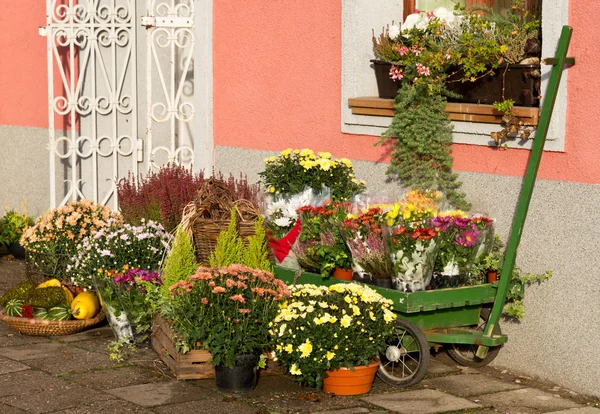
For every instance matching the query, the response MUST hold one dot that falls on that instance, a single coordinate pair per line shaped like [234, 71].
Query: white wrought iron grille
[91, 85]
[169, 66]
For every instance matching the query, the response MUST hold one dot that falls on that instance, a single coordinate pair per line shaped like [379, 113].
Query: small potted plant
[12, 226]
[364, 237]
[412, 248]
[296, 178]
[228, 311]
[322, 240]
[325, 333]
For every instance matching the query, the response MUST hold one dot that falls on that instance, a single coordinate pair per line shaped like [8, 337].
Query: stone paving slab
[99, 332]
[584, 410]
[436, 368]
[7, 366]
[9, 337]
[421, 402]
[6, 409]
[52, 399]
[28, 382]
[353, 410]
[161, 393]
[526, 401]
[34, 351]
[209, 406]
[115, 406]
[469, 385]
[105, 379]
[73, 360]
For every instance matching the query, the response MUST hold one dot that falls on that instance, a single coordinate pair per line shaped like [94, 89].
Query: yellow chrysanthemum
[324, 154]
[288, 348]
[330, 355]
[346, 321]
[305, 349]
[286, 152]
[294, 370]
[325, 164]
[306, 152]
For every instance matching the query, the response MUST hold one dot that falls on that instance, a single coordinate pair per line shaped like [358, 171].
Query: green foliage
[256, 255]
[180, 262]
[119, 350]
[18, 292]
[420, 138]
[12, 226]
[47, 297]
[514, 307]
[230, 247]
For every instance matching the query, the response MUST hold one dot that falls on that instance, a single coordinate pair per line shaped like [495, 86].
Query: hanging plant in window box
[427, 54]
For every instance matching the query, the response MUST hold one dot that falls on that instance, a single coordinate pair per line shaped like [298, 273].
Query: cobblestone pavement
[74, 374]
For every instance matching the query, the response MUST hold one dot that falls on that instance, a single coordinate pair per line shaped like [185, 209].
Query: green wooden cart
[464, 320]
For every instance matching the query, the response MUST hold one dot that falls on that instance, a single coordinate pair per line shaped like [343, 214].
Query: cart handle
[535, 156]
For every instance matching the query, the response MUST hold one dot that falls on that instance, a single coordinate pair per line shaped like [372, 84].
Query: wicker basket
[42, 327]
[209, 214]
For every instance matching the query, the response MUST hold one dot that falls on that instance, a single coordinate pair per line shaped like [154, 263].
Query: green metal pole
[533, 165]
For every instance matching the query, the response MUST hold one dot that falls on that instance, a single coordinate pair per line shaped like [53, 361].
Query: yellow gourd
[69, 295]
[85, 306]
[48, 283]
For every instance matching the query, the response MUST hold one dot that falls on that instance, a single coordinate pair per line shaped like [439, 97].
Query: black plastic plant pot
[17, 251]
[521, 83]
[384, 283]
[387, 88]
[241, 378]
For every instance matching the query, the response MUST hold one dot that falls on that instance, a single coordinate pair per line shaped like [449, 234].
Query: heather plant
[240, 187]
[160, 196]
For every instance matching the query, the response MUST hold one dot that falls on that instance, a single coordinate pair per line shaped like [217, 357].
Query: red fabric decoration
[281, 248]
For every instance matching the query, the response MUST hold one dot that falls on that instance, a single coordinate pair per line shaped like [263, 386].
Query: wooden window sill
[370, 105]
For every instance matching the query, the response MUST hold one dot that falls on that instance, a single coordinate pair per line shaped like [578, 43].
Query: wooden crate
[193, 364]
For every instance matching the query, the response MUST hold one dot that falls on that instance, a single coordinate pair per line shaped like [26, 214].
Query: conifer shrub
[256, 254]
[230, 247]
[180, 262]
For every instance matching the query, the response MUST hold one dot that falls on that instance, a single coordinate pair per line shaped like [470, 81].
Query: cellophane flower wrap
[124, 294]
[412, 248]
[326, 328]
[57, 233]
[363, 234]
[485, 226]
[226, 311]
[116, 245]
[321, 246]
[459, 242]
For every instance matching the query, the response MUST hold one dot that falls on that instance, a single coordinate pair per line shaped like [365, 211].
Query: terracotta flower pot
[345, 381]
[492, 276]
[343, 274]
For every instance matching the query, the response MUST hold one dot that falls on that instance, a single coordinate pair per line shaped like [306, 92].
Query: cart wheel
[465, 354]
[406, 358]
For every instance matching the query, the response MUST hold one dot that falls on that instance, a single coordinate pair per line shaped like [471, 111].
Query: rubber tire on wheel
[417, 362]
[464, 354]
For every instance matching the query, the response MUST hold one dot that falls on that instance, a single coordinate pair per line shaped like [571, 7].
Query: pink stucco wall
[23, 67]
[23, 74]
[277, 84]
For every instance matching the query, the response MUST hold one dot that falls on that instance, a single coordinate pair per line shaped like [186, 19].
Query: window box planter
[521, 83]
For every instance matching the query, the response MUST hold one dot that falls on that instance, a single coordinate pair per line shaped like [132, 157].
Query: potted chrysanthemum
[325, 335]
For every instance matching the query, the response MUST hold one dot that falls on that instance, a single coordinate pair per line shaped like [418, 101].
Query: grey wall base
[558, 338]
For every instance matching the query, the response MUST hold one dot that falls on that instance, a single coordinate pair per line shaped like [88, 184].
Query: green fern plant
[256, 254]
[230, 247]
[180, 262]
[420, 137]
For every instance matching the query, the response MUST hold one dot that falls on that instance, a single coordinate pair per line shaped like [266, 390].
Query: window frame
[361, 17]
